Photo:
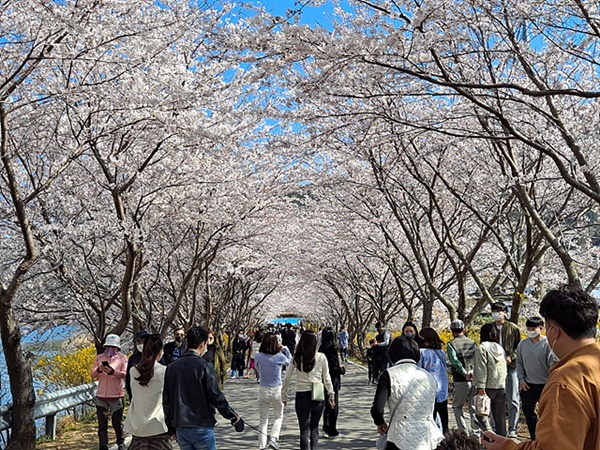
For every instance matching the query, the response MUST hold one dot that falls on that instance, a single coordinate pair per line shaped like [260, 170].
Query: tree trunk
[18, 366]
[21, 380]
[207, 300]
[428, 311]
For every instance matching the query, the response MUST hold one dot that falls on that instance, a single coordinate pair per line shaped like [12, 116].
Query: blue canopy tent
[283, 320]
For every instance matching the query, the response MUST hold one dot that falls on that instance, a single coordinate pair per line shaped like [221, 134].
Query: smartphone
[105, 363]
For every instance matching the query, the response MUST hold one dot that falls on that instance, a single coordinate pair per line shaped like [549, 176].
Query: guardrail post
[51, 426]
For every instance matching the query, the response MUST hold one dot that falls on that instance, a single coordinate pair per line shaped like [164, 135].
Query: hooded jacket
[490, 366]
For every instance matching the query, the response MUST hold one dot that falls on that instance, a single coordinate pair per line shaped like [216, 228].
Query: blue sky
[310, 15]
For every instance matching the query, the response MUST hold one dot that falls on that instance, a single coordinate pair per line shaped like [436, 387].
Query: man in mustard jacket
[569, 410]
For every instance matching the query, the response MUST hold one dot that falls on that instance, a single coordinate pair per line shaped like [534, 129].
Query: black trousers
[309, 415]
[330, 416]
[371, 371]
[530, 398]
[238, 364]
[380, 364]
[441, 408]
[117, 424]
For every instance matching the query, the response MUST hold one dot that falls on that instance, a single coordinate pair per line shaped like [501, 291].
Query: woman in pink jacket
[110, 369]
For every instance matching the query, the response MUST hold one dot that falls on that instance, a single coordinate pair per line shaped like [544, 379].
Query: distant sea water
[38, 343]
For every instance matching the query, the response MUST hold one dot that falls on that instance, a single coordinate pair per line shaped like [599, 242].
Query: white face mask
[497, 316]
[552, 346]
[533, 334]
[139, 347]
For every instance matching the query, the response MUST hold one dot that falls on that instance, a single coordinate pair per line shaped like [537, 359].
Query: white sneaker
[273, 444]
[339, 435]
[512, 435]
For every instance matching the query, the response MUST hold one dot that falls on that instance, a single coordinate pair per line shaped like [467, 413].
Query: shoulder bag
[317, 392]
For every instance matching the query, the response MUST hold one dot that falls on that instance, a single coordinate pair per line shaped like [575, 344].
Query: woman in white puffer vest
[410, 391]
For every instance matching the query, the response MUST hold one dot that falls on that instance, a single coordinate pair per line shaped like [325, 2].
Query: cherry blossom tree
[102, 105]
[497, 86]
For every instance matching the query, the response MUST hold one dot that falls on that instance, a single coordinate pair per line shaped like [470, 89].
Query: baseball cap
[140, 335]
[457, 325]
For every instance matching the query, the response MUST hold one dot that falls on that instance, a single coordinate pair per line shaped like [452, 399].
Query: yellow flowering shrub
[446, 335]
[65, 370]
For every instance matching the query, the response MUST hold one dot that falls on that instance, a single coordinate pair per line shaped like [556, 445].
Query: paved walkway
[354, 422]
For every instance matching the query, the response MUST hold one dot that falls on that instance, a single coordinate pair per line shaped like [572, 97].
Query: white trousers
[269, 396]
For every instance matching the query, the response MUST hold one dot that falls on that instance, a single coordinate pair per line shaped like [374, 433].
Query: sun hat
[112, 340]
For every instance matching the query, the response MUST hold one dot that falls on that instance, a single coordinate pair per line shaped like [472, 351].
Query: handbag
[317, 393]
[381, 442]
[482, 405]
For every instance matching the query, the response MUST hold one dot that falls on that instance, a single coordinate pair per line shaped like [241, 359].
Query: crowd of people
[175, 389]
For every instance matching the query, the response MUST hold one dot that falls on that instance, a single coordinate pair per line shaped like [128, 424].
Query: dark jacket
[335, 369]
[191, 393]
[168, 352]
[134, 359]
[288, 338]
[511, 336]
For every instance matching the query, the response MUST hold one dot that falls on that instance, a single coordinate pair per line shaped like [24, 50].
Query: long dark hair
[327, 339]
[304, 358]
[410, 324]
[153, 345]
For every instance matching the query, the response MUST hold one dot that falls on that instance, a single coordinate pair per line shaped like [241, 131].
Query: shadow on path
[354, 421]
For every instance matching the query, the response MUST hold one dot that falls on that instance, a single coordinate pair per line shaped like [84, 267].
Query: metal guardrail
[48, 405]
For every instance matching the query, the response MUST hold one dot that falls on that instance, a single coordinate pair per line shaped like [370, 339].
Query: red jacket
[110, 386]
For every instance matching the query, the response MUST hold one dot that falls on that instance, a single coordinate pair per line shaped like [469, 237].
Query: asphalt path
[354, 422]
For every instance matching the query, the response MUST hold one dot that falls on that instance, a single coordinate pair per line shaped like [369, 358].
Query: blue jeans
[512, 398]
[197, 438]
[344, 353]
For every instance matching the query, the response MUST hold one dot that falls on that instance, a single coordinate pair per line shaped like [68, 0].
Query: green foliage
[64, 370]
[43, 439]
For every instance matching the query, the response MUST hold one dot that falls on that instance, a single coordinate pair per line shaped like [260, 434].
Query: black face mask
[178, 338]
